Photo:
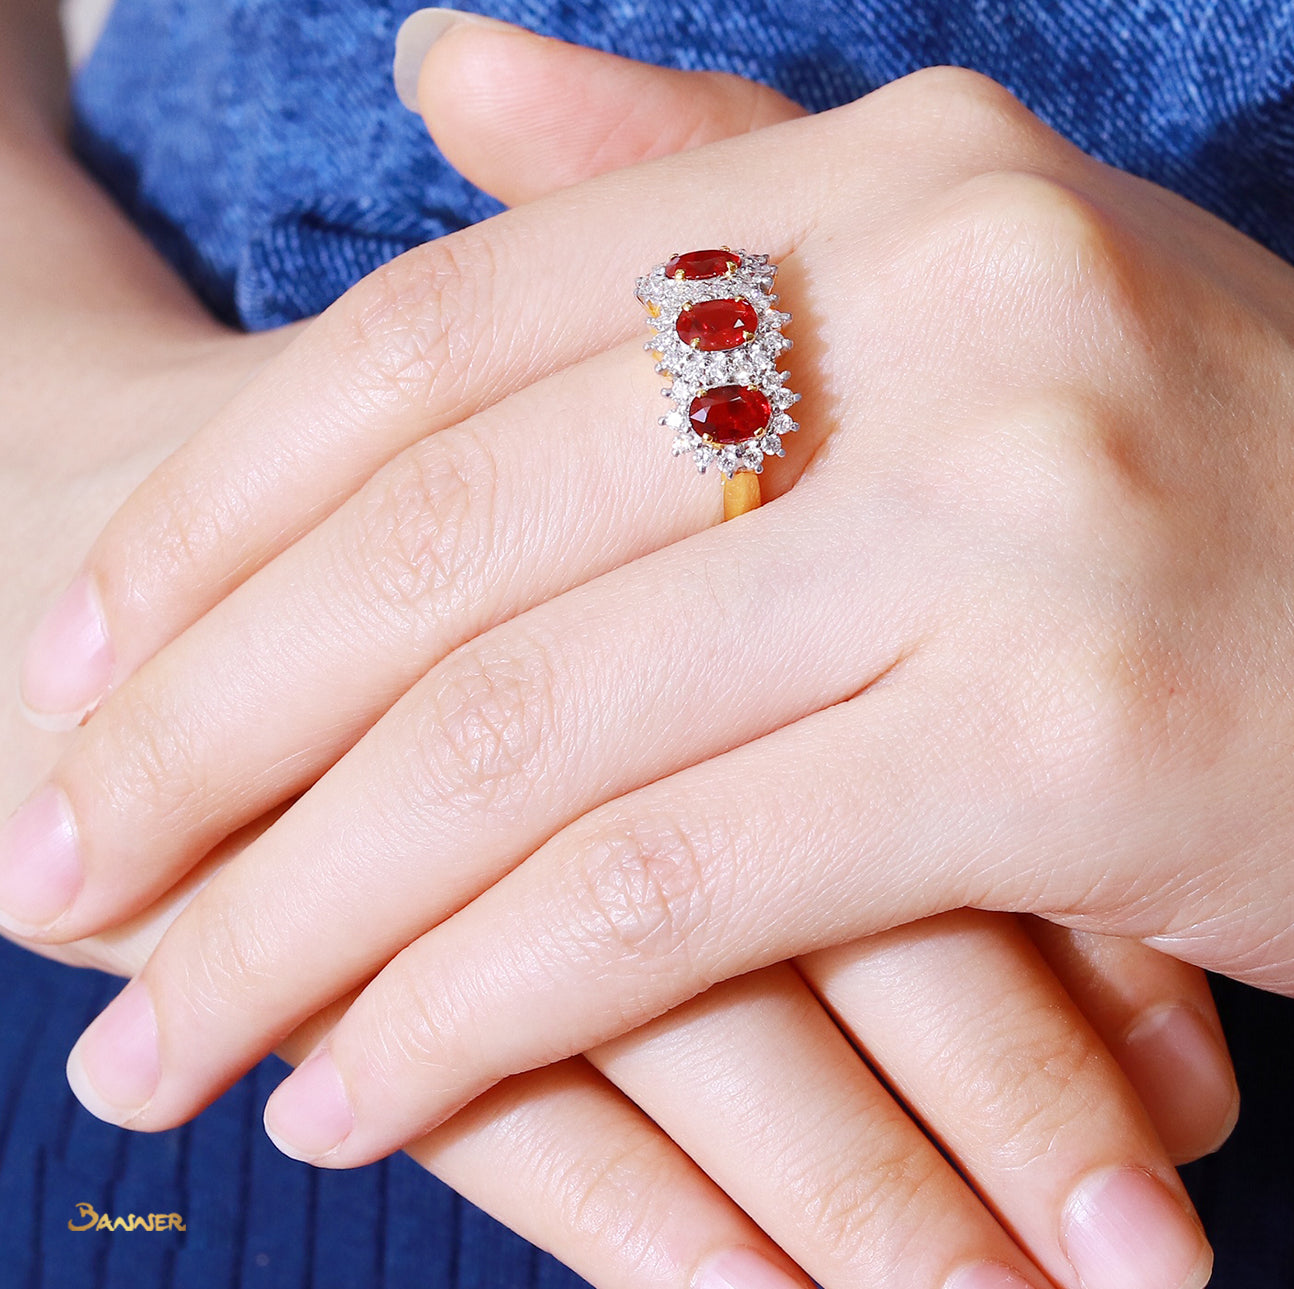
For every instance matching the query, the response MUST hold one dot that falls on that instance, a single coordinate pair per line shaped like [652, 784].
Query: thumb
[522, 115]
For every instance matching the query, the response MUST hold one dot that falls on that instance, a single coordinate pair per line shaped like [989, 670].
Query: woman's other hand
[110, 363]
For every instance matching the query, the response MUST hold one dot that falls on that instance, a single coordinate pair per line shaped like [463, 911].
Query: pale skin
[1054, 1138]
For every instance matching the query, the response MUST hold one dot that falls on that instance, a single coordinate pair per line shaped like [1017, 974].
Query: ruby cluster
[717, 336]
[728, 413]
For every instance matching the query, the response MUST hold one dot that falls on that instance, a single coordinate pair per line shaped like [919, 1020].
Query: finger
[563, 1159]
[765, 1093]
[568, 1163]
[522, 115]
[972, 1029]
[559, 1156]
[64, 488]
[1156, 1015]
[464, 530]
[805, 837]
[445, 330]
[513, 735]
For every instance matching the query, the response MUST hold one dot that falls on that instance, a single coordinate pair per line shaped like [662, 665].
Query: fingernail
[40, 863]
[1180, 1069]
[743, 1269]
[115, 1066]
[987, 1275]
[418, 32]
[1122, 1229]
[69, 660]
[309, 1115]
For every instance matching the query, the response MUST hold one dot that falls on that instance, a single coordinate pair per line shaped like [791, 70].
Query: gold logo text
[91, 1220]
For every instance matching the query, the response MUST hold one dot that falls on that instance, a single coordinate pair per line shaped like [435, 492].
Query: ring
[718, 336]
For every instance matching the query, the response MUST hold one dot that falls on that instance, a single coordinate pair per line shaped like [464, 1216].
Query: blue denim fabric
[262, 146]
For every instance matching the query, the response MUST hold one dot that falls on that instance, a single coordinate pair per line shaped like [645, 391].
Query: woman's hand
[983, 638]
[1134, 1139]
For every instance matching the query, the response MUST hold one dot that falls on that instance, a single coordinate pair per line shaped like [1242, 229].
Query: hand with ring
[581, 753]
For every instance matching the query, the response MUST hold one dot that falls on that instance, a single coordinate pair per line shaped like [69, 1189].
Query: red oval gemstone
[717, 324]
[694, 265]
[730, 413]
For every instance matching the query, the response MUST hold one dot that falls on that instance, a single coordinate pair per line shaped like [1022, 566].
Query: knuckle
[641, 892]
[226, 963]
[618, 1196]
[959, 89]
[416, 550]
[1022, 1076]
[418, 1020]
[483, 729]
[749, 104]
[172, 527]
[1028, 1084]
[1069, 472]
[1036, 260]
[854, 1205]
[412, 328]
[954, 111]
[143, 757]
[631, 133]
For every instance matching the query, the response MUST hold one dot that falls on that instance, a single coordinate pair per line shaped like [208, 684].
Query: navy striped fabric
[253, 1218]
